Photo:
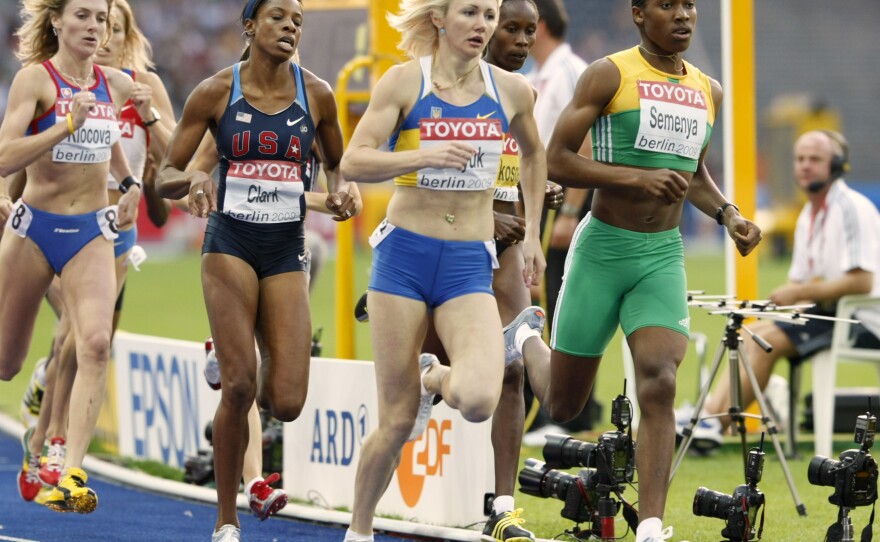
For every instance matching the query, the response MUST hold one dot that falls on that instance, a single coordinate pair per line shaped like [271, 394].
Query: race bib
[106, 218]
[90, 143]
[381, 232]
[264, 191]
[672, 119]
[481, 171]
[508, 173]
[506, 193]
[20, 219]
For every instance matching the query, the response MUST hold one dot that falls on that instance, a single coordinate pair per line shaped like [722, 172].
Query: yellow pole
[740, 154]
[383, 54]
[383, 38]
[345, 330]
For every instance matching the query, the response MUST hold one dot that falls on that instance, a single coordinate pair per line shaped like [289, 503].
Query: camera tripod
[731, 343]
[845, 526]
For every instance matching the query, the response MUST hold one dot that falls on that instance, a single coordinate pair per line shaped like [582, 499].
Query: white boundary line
[147, 482]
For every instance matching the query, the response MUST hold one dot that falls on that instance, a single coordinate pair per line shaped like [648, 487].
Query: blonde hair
[419, 36]
[137, 53]
[37, 40]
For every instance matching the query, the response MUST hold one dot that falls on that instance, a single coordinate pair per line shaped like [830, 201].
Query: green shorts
[616, 276]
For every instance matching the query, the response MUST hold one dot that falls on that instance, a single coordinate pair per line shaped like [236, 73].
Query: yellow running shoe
[505, 527]
[72, 495]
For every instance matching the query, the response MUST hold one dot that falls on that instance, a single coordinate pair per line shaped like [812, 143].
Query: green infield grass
[165, 299]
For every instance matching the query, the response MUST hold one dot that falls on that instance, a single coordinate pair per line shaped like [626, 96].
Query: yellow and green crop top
[656, 119]
[433, 122]
[508, 174]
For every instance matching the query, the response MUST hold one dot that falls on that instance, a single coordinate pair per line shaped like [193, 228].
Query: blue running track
[126, 514]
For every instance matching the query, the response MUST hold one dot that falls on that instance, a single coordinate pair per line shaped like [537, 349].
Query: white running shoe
[227, 533]
[665, 534]
[426, 402]
[212, 366]
[533, 317]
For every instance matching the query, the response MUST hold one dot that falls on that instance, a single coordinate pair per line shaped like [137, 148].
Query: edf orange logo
[415, 467]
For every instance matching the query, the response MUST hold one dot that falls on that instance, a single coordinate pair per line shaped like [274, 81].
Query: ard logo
[436, 112]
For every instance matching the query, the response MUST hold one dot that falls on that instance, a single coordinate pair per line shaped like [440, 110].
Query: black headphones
[839, 162]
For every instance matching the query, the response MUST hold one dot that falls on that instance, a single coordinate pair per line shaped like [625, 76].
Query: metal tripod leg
[770, 425]
[736, 357]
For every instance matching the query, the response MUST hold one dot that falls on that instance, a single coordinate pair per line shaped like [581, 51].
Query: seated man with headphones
[836, 253]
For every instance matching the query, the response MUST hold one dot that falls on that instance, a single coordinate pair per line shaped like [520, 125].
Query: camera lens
[531, 478]
[564, 452]
[537, 480]
[821, 471]
[711, 504]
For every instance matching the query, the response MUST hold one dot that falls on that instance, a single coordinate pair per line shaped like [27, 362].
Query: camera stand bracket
[731, 344]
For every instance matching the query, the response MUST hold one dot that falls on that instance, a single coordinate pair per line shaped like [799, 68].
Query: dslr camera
[854, 476]
[739, 510]
[607, 465]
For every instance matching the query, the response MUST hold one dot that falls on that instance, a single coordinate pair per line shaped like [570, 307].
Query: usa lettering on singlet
[672, 119]
[91, 143]
[265, 159]
[486, 135]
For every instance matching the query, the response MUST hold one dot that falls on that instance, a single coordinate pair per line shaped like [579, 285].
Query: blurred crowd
[194, 39]
[191, 40]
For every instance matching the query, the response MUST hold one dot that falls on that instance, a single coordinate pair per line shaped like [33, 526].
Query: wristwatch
[126, 184]
[719, 213]
[156, 117]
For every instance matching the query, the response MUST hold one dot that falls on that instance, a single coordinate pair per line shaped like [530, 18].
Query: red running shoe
[29, 483]
[264, 499]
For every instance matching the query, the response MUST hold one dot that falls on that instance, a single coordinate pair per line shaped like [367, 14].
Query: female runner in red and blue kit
[264, 114]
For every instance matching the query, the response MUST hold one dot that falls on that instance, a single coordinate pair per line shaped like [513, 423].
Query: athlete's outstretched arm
[160, 132]
[119, 168]
[27, 92]
[533, 172]
[704, 194]
[343, 197]
[389, 102]
[5, 201]
[199, 114]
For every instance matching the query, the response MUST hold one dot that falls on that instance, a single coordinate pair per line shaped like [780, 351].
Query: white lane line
[11, 539]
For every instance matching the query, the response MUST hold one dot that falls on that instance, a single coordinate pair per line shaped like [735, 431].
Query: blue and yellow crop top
[433, 122]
